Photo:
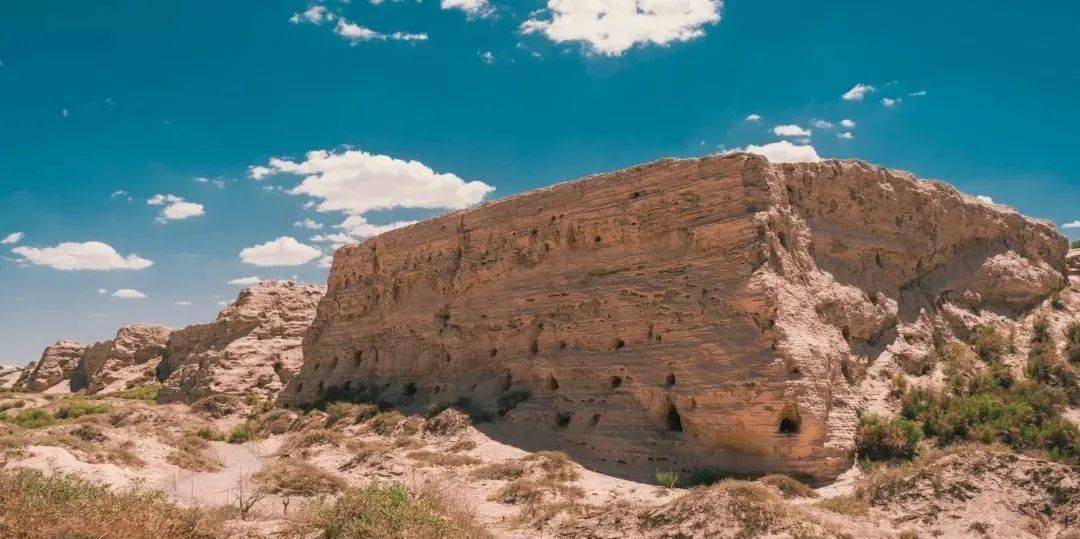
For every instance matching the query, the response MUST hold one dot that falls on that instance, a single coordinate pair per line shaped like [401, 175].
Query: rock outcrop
[10, 375]
[126, 360]
[714, 312]
[253, 347]
[58, 361]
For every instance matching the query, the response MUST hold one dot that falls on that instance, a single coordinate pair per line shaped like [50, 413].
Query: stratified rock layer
[253, 347]
[677, 315]
[126, 360]
[58, 361]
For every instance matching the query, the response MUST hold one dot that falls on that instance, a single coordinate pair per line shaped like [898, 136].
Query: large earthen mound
[716, 312]
[252, 348]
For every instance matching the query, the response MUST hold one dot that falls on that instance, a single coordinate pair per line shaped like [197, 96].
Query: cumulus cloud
[847, 123]
[753, 118]
[356, 182]
[611, 27]
[472, 8]
[822, 124]
[11, 239]
[890, 102]
[259, 172]
[790, 131]
[128, 293]
[246, 281]
[857, 92]
[354, 33]
[984, 199]
[358, 227]
[175, 208]
[786, 152]
[309, 224]
[91, 255]
[487, 57]
[1074, 224]
[283, 251]
[315, 15]
[846, 135]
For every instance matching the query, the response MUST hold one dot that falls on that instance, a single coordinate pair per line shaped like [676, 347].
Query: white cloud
[64, 113]
[246, 281]
[102, 291]
[472, 8]
[1074, 224]
[128, 293]
[335, 238]
[182, 303]
[846, 135]
[13, 238]
[487, 57]
[120, 193]
[326, 261]
[786, 152]
[91, 255]
[890, 102]
[790, 131]
[354, 32]
[407, 36]
[284, 251]
[847, 123]
[176, 208]
[611, 27]
[224, 303]
[217, 183]
[920, 93]
[984, 199]
[309, 224]
[857, 92]
[356, 182]
[315, 15]
[822, 124]
[258, 172]
[753, 118]
[358, 227]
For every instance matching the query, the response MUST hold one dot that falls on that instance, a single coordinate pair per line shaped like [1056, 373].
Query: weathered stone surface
[9, 376]
[683, 314]
[58, 361]
[128, 359]
[253, 347]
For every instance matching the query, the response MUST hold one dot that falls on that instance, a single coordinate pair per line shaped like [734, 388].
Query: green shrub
[241, 433]
[33, 418]
[704, 476]
[146, 392]
[789, 487]
[296, 478]
[78, 408]
[667, 479]
[1075, 244]
[845, 505]
[1045, 366]
[989, 344]
[1072, 343]
[210, 434]
[35, 505]
[885, 439]
[388, 511]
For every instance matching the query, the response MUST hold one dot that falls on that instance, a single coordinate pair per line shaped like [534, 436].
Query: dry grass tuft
[191, 453]
[290, 477]
[428, 458]
[35, 505]
[788, 486]
[504, 471]
[555, 465]
[845, 505]
[447, 422]
[531, 491]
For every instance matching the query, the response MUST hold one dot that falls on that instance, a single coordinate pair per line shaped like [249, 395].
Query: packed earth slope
[685, 314]
[252, 348]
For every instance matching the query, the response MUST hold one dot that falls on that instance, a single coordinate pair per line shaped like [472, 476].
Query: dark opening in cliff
[674, 420]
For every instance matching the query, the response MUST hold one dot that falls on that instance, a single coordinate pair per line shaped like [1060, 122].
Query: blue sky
[421, 106]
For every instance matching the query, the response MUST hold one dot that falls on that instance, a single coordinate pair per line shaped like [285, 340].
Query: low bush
[667, 479]
[32, 418]
[388, 511]
[886, 439]
[78, 408]
[989, 344]
[428, 458]
[192, 453]
[789, 487]
[35, 505]
[241, 433]
[503, 471]
[845, 505]
[210, 434]
[289, 477]
[1072, 343]
[146, 392]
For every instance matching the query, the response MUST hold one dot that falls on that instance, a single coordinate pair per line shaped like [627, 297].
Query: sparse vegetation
[289, 477]
[191, 453]
[241, 433]
[389, 511]
[667, 479]
[428, 458]
[845, 505]
[31, 418]
[147, 392]
[989, 345]
[1075, 244]
[35, 505]
[1072, 343]
[209, 434]
[531, 491]
[886, 439]
[77, 408]
[789, 487]
[504, 471]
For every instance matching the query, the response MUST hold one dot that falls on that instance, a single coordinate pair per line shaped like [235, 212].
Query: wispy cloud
[858, 92]
[11, 239]
[473, 8]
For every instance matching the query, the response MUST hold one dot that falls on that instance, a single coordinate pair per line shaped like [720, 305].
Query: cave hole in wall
[562, 419]
[319, 388]
[358, 357]
[616, 381]
[595, 419]
[409, 389]
[619, 343]
[507, 381]
[553, 383]
[673, 419]
[299, 387]
[334, 363]
[493, 352]
[347, 385]
[789, 421]
[670, 380]
[534, 346]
